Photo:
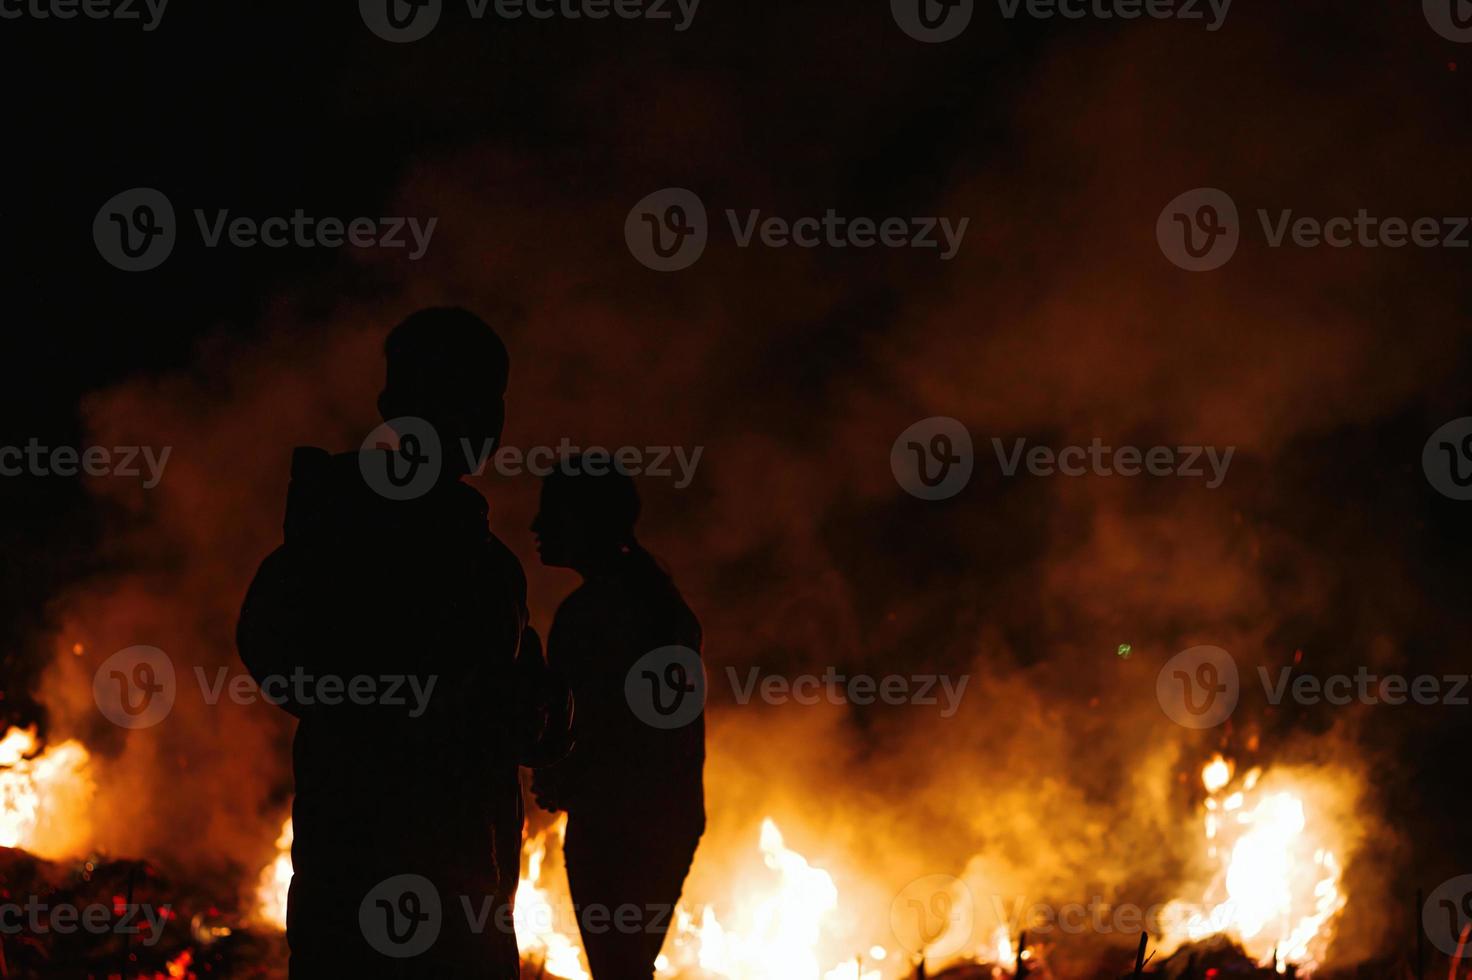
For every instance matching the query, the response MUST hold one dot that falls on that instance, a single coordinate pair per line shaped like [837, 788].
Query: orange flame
[1277, 886]
[275, 882]
[44, 797]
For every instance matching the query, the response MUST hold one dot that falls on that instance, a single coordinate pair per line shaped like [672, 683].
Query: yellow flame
[275, 882]
[1277, 887]
[774, 930]
[781, 925]
[536, 912]
[45, 797]
[1216, 774]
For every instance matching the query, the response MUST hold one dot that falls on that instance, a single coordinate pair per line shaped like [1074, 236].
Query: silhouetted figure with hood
[633, 792]
[398, 622]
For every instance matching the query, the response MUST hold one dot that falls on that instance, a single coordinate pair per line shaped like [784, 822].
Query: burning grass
[1267, 894]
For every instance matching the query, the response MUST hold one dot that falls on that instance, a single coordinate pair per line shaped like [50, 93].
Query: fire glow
[44, 795]
[1276, 887]
[1268, 839]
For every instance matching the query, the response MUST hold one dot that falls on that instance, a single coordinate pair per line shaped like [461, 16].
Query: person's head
[447, 366]
[587, 514]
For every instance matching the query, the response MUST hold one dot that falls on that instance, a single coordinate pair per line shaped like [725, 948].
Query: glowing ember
[178, 967]
[275, 882]
[1276, 889]
[1218, 773]
[45, 797]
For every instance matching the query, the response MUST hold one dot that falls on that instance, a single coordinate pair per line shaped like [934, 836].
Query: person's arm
[303, 612]
[544, 704]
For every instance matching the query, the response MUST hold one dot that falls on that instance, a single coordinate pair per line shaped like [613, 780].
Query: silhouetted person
[633, 793]
[407, 587]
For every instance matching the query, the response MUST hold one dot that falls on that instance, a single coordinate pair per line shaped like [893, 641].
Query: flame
[782, 926]
[536, 911]
[774, 929]
[275, 881]
[178, 967]
[1277, 885]
[45, 796]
